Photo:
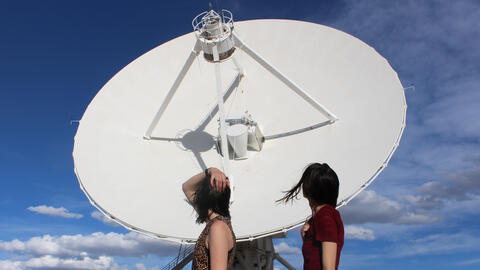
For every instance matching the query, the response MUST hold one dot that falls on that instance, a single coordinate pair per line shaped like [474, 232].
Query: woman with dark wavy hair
[323, 233]
[209, 193]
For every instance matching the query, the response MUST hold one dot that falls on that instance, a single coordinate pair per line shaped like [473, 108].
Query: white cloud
[426, 46]
[469, 262]
[438, 244]
[369, 207]
[463, 209]
[85, 263]
[54, 211]
[10, 265]
[51, 262]
[284, 248]
[141, 266]
[94, 245]
[422, 201]
[99, 216]
[438, 156]
[93, 251]
[356, 232]
[467, 180]
[462, 185]
[455, 115]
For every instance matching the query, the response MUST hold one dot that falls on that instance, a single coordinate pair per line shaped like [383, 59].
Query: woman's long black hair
[319, 183]
[207, 197]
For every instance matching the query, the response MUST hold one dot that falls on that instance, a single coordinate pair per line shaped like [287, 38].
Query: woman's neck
[316, 208]
[212, 215]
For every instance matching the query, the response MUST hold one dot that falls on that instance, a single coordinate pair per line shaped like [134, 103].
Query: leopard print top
[201, 255]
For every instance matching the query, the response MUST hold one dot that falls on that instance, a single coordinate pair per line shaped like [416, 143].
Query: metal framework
[215, 37]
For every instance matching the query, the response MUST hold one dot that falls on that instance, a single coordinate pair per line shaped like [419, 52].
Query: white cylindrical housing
[212, 30]
[237, 136]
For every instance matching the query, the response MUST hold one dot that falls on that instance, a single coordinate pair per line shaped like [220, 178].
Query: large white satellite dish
[292, 78]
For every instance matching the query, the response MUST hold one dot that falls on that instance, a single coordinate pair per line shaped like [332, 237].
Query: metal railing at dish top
[183, 252]
[201, 19]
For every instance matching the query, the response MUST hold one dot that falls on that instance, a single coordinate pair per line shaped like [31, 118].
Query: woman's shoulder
[327, 211]
[220, 225]
[220, 231]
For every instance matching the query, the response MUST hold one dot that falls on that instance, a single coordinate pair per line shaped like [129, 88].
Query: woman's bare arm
[219, 242]
[329, 255]
[190, 185]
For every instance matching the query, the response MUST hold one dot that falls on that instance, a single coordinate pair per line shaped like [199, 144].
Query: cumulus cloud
[356, 232]
[51, 262]
[443, 110]
[438, 244]
[10, 265]
[141, 266]
[443, 115]
[93, 251]
[369, 207]
[54, 211]
[436, 191]
[472, 158]
[422, 201]
[284, 248]
[468, 180]
[460, 185]
[469, 262]
[99, 216]
[94, 245]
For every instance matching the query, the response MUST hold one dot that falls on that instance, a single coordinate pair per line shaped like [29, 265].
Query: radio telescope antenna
[311, 94]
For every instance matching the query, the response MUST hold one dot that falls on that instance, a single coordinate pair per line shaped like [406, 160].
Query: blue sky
[421, 213]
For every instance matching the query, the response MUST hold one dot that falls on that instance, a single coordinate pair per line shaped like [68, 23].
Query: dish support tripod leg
[196, 50]
[293, 86]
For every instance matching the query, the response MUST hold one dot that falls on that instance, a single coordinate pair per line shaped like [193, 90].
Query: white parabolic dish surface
[137, 182]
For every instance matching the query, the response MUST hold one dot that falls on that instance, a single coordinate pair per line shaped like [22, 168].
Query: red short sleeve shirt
[325, 226]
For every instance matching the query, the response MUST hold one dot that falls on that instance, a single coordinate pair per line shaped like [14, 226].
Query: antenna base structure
[256, 254]
[218, 42]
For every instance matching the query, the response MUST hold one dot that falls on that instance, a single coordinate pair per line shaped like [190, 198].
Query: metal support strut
[196, 50]
[240, 44]
[221, 113]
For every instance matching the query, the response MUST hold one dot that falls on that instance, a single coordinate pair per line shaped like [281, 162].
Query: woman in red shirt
[323, 233]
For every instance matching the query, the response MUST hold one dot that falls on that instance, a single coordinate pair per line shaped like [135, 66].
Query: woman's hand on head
[218, 179]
